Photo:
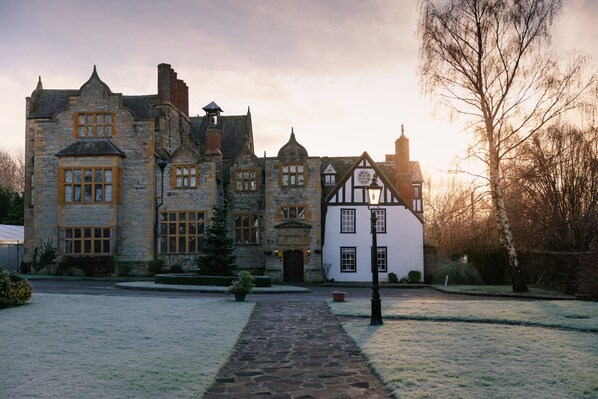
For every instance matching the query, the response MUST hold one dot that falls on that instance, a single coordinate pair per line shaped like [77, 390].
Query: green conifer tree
[16, 211]
[217, 256]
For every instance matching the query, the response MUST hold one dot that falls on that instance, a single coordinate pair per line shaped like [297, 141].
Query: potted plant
[242, 286]
[339, 296]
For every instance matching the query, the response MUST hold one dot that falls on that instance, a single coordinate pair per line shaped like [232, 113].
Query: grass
[459, 349]
[502, 290]
[79, 346]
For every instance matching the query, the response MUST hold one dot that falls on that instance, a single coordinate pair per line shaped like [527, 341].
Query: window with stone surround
[87, 241]
[292, 175]
[348, 259]
[246, 228]
[185, 176]
[382, 259]
[94, 125]
[182, 232]
[87, 185]
[245, 179]
[293, 212]
[347, 220]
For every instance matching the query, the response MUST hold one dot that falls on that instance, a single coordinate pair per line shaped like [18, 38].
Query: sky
[341, 73]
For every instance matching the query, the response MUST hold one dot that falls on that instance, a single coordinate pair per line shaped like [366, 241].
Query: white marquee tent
[11, 246]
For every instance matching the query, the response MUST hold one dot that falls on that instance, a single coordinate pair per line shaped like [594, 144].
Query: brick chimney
[403, 182]
[171, 89]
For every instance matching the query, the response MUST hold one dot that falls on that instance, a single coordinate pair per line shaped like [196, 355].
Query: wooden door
[293, 266]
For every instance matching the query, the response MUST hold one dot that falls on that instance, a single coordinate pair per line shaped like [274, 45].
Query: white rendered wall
[403, 240]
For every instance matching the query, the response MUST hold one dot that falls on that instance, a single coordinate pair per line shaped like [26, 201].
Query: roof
[142, 106]
[47, 103]
[235, 131]
[90, 147]
[11, 234]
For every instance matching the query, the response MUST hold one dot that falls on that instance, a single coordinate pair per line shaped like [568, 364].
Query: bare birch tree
[485, 59]
[12, 171]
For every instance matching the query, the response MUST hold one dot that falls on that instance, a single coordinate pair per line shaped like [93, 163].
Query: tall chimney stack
[403, 182]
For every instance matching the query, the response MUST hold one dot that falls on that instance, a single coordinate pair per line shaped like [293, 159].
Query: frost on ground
[79, 346]
[424, 359]
[560, 314]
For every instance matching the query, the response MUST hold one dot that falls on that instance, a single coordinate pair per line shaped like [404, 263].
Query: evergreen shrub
[414, 277]
[392, 278]
[14, 289]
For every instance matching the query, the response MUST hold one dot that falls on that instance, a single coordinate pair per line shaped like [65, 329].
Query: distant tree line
[12, 183]
[551, 191]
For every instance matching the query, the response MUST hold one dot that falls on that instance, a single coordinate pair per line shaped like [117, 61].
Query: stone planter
[339, 296]
[240, 297]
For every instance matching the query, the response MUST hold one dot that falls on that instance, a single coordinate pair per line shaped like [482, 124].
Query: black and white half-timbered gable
[347, 238]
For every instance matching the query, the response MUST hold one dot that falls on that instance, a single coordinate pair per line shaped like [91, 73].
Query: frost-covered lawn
[79, 346]
[566, 314]
[423, 351]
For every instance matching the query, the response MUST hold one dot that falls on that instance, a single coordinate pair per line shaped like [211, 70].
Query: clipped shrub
[88, 265]
[403, 280]
[155, 266]
[392, 278]
[459, 273]
[14, 289]
[414, 277]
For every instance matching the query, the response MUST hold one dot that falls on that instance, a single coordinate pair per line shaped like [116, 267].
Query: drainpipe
[162, 165]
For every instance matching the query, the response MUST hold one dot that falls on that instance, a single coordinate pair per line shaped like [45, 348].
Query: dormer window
[329, 176]
[94, 125]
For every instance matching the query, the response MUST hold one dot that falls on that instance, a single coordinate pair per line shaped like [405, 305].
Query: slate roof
[90, 147]
[142, 106]
[235, 129]
[46, 103]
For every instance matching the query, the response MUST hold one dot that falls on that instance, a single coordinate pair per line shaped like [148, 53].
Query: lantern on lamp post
[374, 190]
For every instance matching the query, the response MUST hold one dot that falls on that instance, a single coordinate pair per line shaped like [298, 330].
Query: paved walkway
[293, 349]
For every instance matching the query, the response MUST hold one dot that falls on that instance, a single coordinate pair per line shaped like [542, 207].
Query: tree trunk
[503, 224]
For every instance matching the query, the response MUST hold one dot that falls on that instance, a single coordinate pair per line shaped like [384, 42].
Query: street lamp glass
[374, 191]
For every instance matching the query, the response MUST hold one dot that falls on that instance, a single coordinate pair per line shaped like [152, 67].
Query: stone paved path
[295, 350]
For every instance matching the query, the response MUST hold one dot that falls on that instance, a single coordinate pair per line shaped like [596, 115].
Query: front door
[293, 266]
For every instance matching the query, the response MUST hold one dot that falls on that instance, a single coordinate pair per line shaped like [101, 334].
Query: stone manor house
[135, 178]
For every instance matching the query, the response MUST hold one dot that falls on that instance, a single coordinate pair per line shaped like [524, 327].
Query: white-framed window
[347, 220]
[382, 259]
[348, 259]
[380, 220]
[329, 179]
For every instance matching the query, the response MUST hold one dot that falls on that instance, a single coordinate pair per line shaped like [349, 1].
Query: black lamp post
[374, 190]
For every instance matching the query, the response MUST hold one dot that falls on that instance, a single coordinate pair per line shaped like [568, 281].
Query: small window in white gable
[329, 176]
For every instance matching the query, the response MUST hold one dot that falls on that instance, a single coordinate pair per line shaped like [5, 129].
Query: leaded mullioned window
[87, 241]
[94, 125]
[182, 232]
[88, 185]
